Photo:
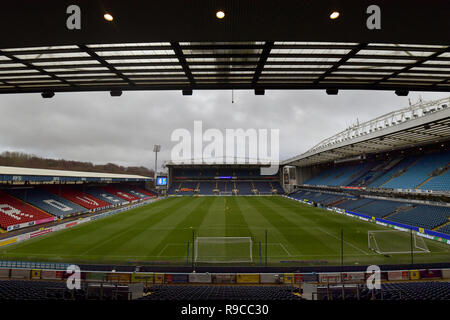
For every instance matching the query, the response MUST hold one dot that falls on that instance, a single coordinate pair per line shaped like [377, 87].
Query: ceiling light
[108, 17]
[220, 14]
[334, 15]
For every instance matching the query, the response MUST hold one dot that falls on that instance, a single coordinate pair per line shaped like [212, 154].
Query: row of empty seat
[413, 214]
[22, 205]
[221, 187]
[426, 172]
[412, 291]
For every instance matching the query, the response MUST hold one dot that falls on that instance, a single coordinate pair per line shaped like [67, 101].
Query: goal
[223, 249]
[395, 242]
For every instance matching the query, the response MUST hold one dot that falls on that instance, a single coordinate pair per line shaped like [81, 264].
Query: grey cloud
[95, 127]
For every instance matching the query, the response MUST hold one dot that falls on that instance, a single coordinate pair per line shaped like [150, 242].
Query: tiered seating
[262, 186]
[445, 229]
[352, 205]
[424, 216]
[380, 208]
[416, 291]
[78, 197]
[439, 183]
[276, 185]
[34, 290]
[146, 192]
[337, 176]
[419, 171]
[48, 202]
[187, 188]
[207, 187]
[194, 292]
[245, 188]
[121, 194]
[134, 192]
[419, 291]
[14, 211]
[401, 165]
[103, 195]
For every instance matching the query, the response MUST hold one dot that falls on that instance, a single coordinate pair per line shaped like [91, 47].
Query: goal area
[223, 249]
[396, 242]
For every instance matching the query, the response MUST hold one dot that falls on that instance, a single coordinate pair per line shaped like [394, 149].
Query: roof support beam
[34, 67]
[104, 63]
[182, 59]
[262, 61]
[343, 60]
[415, 64]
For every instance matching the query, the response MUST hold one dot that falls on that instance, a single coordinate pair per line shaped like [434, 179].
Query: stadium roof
[419, 124]
[8, 174]
[180, 45]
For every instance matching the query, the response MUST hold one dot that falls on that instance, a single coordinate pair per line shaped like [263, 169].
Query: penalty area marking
[281, 246]
[170, 245]
[337, 238]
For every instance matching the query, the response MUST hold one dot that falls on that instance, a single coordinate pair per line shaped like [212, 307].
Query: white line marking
[349, 243]
[284, 248]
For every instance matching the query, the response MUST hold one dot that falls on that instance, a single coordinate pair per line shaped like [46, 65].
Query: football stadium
[362, 215]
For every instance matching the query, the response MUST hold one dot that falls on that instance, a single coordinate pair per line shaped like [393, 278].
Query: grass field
[296, 233]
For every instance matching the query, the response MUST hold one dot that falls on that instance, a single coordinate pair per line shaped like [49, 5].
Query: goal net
[223, 249]
[396, 242]
[225, 193]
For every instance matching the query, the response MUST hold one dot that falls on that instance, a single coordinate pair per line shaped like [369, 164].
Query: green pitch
[162, 232]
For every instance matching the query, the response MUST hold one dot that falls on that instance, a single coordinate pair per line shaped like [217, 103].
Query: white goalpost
[223, 249]
[395, 242]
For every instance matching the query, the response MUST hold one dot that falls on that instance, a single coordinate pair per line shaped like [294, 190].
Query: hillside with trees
[19, 159]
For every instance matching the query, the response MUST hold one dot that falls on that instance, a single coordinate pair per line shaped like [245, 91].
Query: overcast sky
[98, 128]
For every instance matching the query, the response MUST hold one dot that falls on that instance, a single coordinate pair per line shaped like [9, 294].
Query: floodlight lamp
[334, 15]
[108, 17]
[220, 14]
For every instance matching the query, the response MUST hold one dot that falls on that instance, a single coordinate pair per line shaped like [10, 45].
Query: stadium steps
[391, 214]
[404, 170]
[337, 202]
[422, 183]
[399, 209]
[441, 226]
[431, 177]
[364, 205]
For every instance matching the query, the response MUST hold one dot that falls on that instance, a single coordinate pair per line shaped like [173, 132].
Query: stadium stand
[445, 229]
[381, 208]
[105, 196]
[14, 211]
[50, 290]
[244, 187]
[428, 290]
[188, 188]
[78, 197]
[424, 216]
[207, 187]
[440, 182]
[134, 192]
[419, 171]
[205, 292]
[142, 191]
[262, 186]
[427, 172]
[121, 194]
[48, 202]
